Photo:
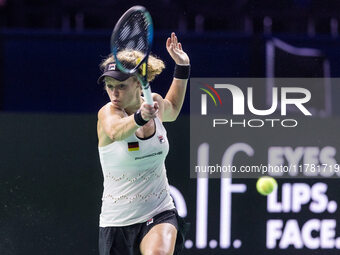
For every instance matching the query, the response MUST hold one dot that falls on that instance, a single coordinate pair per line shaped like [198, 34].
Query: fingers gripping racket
[134, 31]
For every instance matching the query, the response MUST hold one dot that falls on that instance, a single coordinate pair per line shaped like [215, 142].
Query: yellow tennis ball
[265, 185]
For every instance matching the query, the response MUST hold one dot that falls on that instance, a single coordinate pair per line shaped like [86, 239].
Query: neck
[135, 106]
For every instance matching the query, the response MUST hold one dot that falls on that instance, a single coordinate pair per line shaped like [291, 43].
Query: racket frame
[142, 77]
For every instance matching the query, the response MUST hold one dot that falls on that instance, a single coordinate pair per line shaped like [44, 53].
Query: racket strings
[134, 34]
[128, 65]
[131, 41]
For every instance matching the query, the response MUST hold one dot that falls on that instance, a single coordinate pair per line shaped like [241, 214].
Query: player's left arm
[172, 103]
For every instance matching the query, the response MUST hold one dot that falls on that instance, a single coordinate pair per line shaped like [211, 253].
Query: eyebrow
[118, 84]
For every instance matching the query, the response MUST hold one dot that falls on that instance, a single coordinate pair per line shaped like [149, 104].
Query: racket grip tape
[147, 95]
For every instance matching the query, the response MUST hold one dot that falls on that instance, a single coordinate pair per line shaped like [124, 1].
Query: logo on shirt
[161, 139]
[133, 146]
[150, 155]
[148, 222]
[112, 67]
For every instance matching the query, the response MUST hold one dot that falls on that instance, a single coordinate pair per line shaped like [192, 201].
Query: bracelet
[138, 119]
[182, 72]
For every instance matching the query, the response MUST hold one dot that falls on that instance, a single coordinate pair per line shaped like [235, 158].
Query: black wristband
[182, 72]
[138, 119]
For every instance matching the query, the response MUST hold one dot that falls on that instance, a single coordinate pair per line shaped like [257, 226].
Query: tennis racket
[134, 31]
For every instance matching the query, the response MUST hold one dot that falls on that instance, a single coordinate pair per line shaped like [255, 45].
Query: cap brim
[117, 75]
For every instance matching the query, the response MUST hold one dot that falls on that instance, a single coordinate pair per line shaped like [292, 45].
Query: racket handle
[148, 96]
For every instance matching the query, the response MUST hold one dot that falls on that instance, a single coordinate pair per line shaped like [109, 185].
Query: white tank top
[135, 184]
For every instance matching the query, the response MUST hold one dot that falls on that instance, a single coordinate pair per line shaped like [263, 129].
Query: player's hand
[149, 112]
[175, 50]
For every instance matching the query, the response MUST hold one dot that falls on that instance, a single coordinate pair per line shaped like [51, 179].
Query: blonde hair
[155, 65]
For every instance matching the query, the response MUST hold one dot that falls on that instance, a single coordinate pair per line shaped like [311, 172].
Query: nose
[116, 91]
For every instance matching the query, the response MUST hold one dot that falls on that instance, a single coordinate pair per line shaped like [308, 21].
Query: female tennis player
[138, 215]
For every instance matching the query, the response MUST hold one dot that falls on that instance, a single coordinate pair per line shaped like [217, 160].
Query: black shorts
[126, 240]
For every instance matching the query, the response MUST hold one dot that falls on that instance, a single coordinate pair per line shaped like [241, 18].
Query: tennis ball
[265, 185]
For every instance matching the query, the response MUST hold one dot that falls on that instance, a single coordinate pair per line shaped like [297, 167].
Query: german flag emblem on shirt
[134, 146]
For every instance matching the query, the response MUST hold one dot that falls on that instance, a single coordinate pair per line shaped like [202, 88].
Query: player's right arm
[114, 124]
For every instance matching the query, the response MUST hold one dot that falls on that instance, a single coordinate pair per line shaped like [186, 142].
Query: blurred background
[50, 175]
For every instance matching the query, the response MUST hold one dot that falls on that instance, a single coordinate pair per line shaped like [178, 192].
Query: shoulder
[109, 110]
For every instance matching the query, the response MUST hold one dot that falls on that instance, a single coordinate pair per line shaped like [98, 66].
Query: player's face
[123, 93]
